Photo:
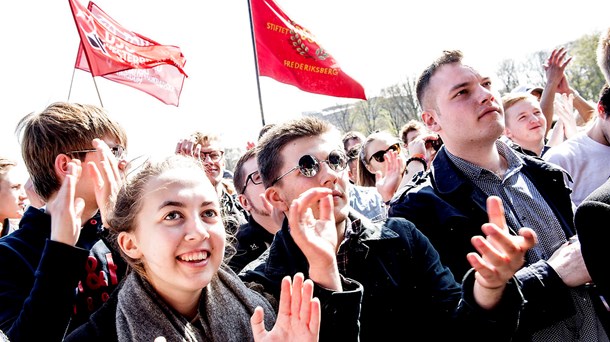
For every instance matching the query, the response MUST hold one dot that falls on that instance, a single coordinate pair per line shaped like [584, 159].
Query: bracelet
[419, 159]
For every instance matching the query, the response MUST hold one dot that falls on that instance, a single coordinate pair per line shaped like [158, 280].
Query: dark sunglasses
[256, 179]
[117, 150]
[379, 156]
[310, 165]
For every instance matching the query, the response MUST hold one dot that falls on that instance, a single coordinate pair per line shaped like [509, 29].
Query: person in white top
[586, 156]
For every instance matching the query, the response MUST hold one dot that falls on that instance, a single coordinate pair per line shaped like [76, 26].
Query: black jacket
[47, 286]
[406, 288]
[449, 209]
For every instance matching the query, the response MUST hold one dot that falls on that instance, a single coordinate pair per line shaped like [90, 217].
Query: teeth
[198, 256]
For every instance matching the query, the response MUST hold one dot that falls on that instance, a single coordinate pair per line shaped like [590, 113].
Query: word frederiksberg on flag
[289, 53]
[109, 50]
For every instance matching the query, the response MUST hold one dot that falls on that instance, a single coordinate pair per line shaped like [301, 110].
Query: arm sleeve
[27, 313]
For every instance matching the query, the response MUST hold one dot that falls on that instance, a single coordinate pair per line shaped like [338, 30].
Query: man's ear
[429, 118]
[128, 243]
[243, 200]
[61, 165]
[508, 133]
[276, 199]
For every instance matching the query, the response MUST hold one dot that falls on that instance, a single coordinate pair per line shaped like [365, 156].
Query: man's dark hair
[271, 143]
[239, 177]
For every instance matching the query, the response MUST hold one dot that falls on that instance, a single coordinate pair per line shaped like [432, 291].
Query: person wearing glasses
[255, 236]
[209, 148]
[406, 288]
[54, 275]
[384, 164]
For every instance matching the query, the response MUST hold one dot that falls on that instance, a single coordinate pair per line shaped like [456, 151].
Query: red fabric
[288, 53]
[109, 50]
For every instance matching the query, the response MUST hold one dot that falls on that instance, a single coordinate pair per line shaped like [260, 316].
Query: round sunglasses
[379, 156]
[309, 165]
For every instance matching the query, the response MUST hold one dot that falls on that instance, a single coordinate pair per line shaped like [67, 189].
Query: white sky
[377, 42]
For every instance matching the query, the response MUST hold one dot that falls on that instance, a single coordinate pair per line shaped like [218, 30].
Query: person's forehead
[249, 166]
[313, 145]
[212, 145]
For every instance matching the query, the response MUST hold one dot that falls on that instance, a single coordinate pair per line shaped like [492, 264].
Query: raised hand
[317, 237]
[187, 147]
[501, 254]
[108, 178]
[388, 181]
[564, 109]
[298, 317]
[66, 209]
[555, 67]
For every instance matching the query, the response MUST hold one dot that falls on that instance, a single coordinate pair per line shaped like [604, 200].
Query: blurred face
[463, 107]
[412, 135]
[179, 236]
[13, 199]
[379, 146]
[294, 183]
[212, 156]
[252, 200]
[525, 123]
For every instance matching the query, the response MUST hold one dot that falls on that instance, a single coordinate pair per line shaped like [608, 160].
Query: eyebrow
[182, 205]
[458, 86]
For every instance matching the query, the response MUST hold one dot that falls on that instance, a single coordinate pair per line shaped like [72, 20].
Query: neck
[486, 157]
[597, 133]
[267, 222]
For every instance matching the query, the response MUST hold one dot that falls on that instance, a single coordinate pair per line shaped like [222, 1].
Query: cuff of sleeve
[340, 311]
[512, 303]
[62, 262]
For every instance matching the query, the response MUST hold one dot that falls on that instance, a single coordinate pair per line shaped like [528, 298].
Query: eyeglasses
[379, 156]
[352, 154]
[117, 150]
[214, 155]
[256, 179]
[310, 165]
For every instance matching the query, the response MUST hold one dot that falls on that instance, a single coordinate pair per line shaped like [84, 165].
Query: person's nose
[328, 175]
[196, 230]
[487, 96]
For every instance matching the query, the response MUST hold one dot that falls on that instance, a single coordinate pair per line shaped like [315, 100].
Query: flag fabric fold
[289, 53]
[109, 50]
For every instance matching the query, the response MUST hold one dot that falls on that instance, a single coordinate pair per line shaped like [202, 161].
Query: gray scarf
[225, 308]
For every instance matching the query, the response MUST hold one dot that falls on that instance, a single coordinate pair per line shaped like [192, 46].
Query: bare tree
[583, 73]
[507, 73]
[533, 68]
[344, 118]
[400, 103]
[370, 114]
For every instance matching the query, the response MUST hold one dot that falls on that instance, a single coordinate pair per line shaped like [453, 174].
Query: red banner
[109, 50]
[289, 53]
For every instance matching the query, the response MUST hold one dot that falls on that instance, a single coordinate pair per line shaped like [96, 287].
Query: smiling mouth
[193, 257]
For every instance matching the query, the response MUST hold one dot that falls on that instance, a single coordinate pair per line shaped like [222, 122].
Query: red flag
[107, 49]
[289, 53]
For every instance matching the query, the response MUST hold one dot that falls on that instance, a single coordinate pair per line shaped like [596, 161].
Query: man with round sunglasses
[302, 165]
[255, 236]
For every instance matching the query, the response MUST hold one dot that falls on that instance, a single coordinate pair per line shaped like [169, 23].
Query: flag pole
[258, 85]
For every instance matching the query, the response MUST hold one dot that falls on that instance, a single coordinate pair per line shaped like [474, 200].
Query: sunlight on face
[13, 199]
[179, 233]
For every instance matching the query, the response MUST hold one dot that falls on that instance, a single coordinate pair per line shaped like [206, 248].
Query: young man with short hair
[54, 275]
[406, 288]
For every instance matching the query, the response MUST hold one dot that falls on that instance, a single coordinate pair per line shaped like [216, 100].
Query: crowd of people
[482, 220]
